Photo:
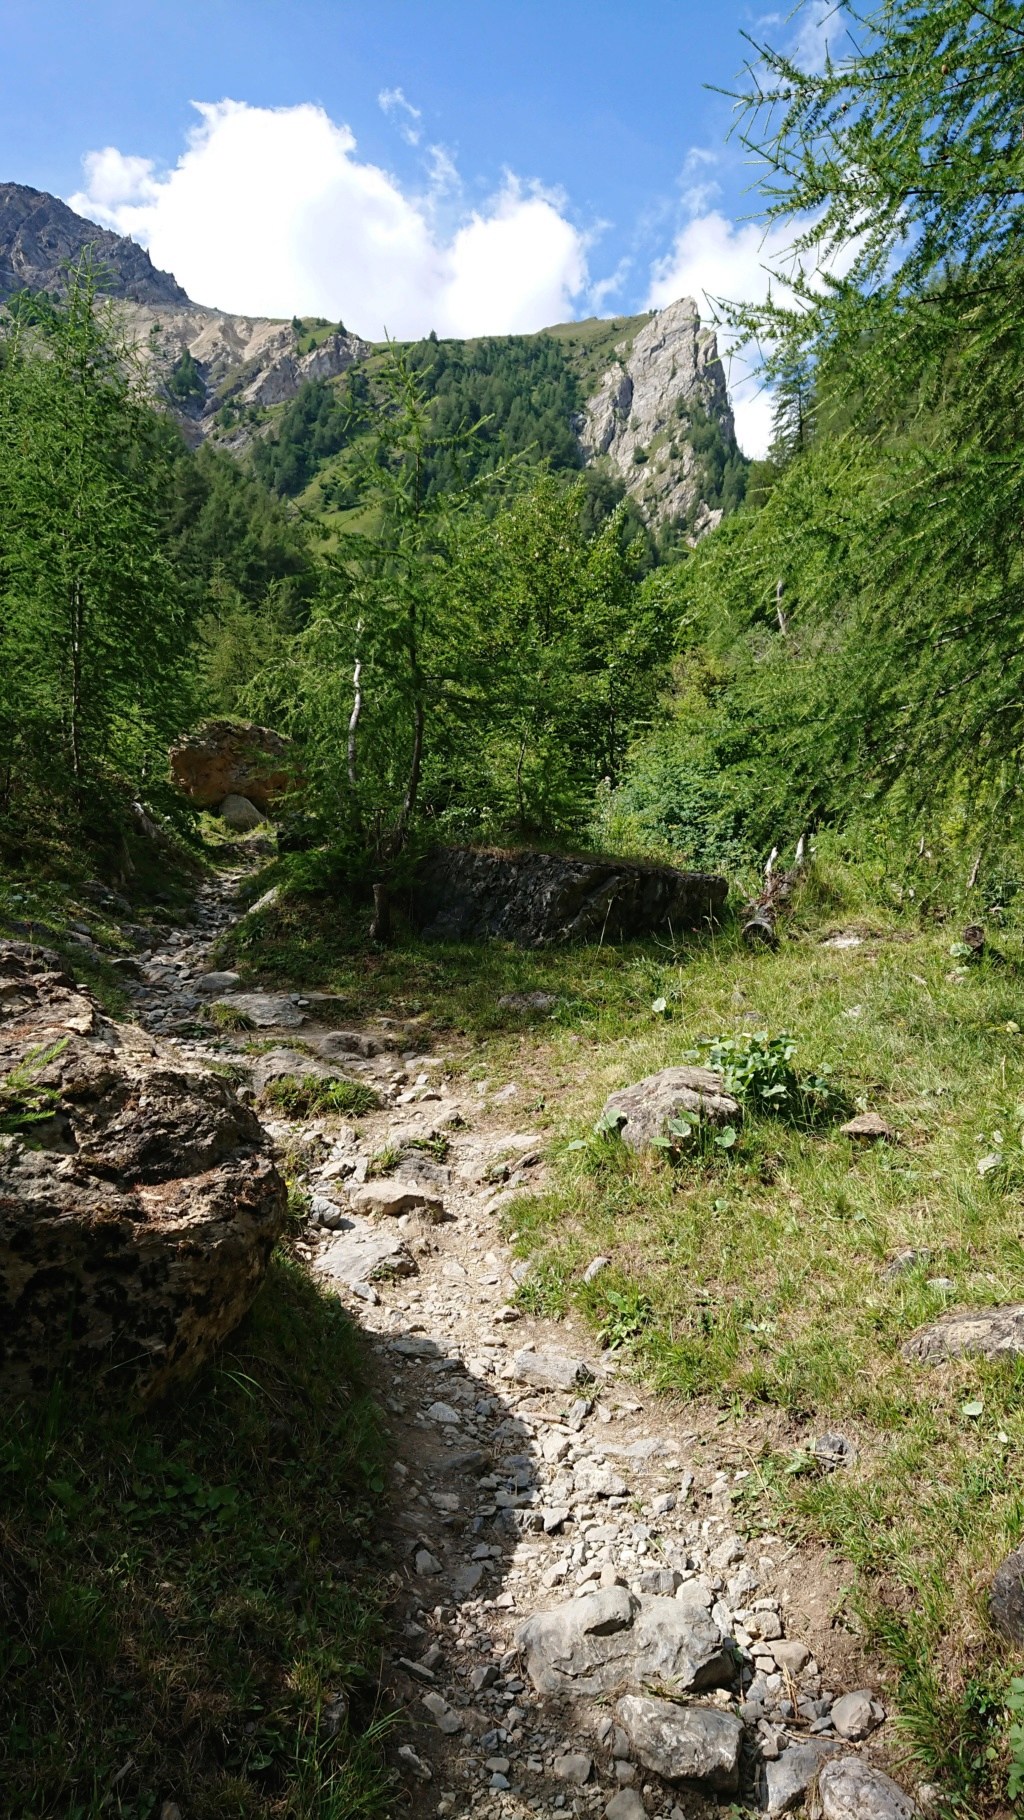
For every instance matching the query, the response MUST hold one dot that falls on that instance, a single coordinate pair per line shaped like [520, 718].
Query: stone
[832, 1450]
[790, 1655]
[527, 1001]
[868, 1128]
[226, 758]
[856, 1715]
[595, 1479]
[288, 1064]
[239, 814]
[366, 1254]
[992, 1333]
[904, 1260]
[550, 1370]
[605, 1639]
[626, 1805]
[684, 1743]
[642, 1112]
[388, 1196]
[220, 981]
[594, 1268]
[576, 1767]
[426, 1563]
[263, 1010]
[533, 898]
[850, 1789]
[138, 1218]
[787, 1779]
[441, 1713]
[1006, 1598]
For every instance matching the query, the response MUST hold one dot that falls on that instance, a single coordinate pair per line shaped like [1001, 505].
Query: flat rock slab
[288, 1064]
[787, 1780]
[611, 1639]
[684, 1743]
[264, 1010]
[1006, 1599]
[366, 1254]
[849, 1789]
[993, 1333]
[388, 1196]
[550, 1370]
[333, 1043]
[643, 1111]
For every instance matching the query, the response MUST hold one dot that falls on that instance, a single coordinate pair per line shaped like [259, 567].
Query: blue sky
[405, 164]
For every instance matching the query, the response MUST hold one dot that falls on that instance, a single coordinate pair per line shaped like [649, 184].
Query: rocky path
[590, 1619]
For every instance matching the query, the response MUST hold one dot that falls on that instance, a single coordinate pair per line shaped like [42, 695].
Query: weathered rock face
[992, 1333]
[850, 1789]
[612, 1638]
[138, 1216]
[1006, 1600]
[227, 758]
[470, 894]
[684, 1743]
[643, 1111]
[40, 237]
[672, 363]
[251, 360]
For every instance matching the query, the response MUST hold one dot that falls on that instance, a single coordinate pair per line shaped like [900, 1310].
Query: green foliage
[209, 1575]
[465, 671]
[185, 385]
[95, 644]
[757, 1069]
[314, 1095]
[318, 422]
[24, 1099]
[869, 641]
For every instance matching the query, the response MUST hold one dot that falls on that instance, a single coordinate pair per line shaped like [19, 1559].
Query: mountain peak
[40, 237]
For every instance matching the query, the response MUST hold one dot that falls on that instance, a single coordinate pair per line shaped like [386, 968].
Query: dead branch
[760, 926]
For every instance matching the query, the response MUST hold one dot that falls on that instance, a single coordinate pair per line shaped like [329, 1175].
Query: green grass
[187, 1594]
[314, 1095]
[751, 1280]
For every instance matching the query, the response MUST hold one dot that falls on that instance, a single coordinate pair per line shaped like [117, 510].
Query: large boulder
[139, 1202]
[470, 894]
[228, 758]
[644, 1111]
[612, 1638]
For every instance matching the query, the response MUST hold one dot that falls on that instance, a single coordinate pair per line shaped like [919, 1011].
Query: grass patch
[313, 1095]
[193, 1599]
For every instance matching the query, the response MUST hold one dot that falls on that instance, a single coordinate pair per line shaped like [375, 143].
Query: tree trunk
[380, 926]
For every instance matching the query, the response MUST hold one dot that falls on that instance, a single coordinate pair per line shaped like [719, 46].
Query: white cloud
[392, 101]
[820, 26]
[269, 212]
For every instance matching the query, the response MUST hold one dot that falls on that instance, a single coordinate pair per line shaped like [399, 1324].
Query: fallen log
[760, 925]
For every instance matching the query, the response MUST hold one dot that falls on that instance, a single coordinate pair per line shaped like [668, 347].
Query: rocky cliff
[40, 237]
[640, 419]
[250, 360]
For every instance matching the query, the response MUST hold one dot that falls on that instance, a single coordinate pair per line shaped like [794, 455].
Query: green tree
[95, 646]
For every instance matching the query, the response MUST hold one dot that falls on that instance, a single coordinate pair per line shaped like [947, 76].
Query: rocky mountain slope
[639, 417]
[40, 237]
[662, 377]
